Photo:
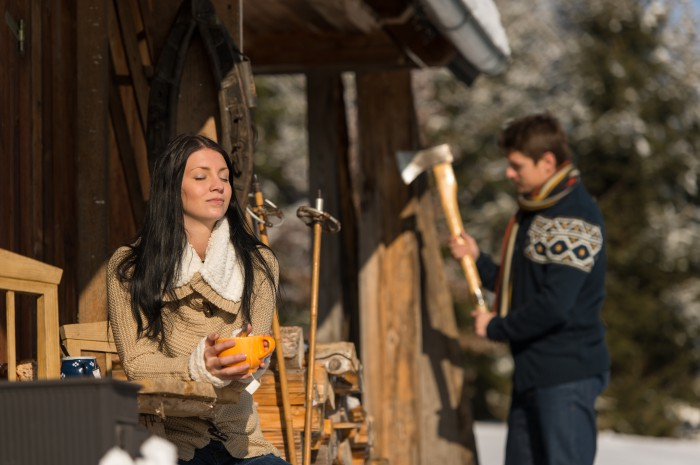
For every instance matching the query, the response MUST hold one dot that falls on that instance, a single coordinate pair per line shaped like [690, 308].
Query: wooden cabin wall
[63, 197]
[37, 143]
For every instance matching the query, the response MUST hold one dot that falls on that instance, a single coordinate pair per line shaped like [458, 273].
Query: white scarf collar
[220, 268]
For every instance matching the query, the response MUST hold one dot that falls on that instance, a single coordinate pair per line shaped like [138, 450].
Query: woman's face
[206, 191]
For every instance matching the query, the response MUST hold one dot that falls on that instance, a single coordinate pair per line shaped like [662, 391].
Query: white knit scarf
[220, 268]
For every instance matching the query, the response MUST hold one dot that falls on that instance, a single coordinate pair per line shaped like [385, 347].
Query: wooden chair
[20, 274]
[94, 337]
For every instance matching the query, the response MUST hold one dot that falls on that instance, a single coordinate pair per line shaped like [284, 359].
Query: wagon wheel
[231, 70]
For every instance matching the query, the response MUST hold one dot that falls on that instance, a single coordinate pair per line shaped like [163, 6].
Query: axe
[439, 159]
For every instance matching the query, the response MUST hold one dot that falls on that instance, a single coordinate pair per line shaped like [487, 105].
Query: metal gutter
[474, 28]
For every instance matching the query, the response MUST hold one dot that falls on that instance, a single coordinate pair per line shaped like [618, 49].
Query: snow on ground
[613, 449]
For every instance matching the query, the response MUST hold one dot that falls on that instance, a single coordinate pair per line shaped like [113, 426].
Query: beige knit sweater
[199, 311]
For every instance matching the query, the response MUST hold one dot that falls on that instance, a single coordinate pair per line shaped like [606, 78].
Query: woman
[196, 272]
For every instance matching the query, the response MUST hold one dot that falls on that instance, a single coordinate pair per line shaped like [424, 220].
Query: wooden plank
[92, 134]
[390, 307]
[269, 388]
[126, 151]
[270, 416]
[18, 266]
[147, 20]
[95, 331]
[27, 287]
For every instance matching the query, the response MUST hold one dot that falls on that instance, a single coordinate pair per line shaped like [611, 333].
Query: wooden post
[328, 155]
[92, 155]
[389, 278]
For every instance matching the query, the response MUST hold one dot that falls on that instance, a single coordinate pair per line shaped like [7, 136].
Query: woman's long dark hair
[152, 265]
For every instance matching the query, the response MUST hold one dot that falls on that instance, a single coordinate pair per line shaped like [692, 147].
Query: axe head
[411, 164]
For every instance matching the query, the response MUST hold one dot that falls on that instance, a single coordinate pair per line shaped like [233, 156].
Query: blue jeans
[555, 425]
[215, 453]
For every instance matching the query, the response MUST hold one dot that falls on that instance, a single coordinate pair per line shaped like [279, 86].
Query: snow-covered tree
[624, 78]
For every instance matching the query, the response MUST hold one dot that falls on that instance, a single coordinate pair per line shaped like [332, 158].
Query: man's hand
[462, 245]
[481, 322]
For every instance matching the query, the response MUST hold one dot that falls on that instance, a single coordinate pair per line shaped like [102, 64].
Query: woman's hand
[217, 366]
[462, 245]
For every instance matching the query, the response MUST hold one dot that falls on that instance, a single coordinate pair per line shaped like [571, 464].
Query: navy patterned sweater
[554, 324]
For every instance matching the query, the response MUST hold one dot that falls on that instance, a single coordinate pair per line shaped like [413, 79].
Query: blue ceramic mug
[72, 367]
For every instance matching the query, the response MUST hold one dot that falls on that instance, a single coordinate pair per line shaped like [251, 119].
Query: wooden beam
[329, 52]
[92, 82]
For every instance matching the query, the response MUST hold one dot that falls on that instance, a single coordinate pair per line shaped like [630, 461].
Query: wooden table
[168, 397]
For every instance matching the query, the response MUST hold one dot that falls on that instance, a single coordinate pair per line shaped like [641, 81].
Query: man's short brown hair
[534, 135]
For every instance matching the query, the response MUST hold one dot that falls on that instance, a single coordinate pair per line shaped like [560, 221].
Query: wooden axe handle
[447, 187]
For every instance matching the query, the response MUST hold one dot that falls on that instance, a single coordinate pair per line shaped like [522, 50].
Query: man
[549, 289]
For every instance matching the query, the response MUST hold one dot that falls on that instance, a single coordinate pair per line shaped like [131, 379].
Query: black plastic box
[68, 422]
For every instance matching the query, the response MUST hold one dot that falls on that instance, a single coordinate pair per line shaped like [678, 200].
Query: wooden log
[293, 347]
[338, 357]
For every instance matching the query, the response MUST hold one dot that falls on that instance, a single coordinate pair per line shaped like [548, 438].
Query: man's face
[528, 175]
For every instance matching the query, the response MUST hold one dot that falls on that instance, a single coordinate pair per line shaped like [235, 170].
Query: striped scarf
[556, 187]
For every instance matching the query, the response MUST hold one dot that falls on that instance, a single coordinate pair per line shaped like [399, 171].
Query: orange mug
[252, 346]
